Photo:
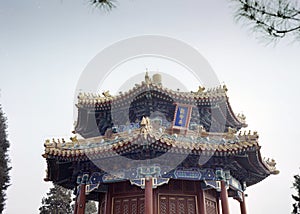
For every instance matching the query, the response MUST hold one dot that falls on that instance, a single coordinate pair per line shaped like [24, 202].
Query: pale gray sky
[45, 45]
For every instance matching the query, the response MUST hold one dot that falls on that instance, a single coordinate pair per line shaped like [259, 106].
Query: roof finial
[147, 78]
[201, 89]
[106, 94]
[145, 126]
[156, 79]
[241, 117]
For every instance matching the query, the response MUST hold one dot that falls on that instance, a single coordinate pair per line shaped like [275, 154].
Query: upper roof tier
[207, 108]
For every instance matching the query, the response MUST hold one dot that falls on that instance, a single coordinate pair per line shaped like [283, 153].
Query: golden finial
[231, 132]
[241, 118]
[145, 126]
[106, 94]
[201, 89]
[272, 163]
[145, 122]
[48, 143]
[74, 139]
[147, 78]
[200, 130]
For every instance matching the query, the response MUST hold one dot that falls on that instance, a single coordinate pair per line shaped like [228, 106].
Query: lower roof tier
[126, 152]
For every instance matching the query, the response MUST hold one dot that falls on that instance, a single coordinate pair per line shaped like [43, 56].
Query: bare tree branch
[273, 18]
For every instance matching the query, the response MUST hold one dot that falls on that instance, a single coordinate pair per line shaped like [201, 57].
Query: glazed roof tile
[93, 98]
[209, 142]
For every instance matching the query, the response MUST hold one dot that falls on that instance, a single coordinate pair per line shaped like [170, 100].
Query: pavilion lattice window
[211, 206]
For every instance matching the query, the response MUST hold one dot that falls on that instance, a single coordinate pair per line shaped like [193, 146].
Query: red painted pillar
[108, 200]
[148, 196]
[201, 201]
[104, 204]
[77, 195]
[243, 205]
[224, 198]
[82, 198]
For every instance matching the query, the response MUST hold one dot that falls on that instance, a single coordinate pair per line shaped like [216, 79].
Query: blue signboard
[192, 174]
[181, 116]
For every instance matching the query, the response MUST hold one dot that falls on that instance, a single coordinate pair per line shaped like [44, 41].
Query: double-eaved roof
[139, 124]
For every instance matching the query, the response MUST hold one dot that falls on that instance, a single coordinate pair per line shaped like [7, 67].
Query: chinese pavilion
[154, 150]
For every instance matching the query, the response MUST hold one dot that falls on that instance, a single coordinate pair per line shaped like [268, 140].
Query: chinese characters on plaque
[182, 116]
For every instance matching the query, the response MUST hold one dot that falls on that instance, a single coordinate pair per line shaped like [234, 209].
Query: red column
[224, 198]
[77, 194]
[82, 198]
[148, 196]
[105, 203]
[201, 201]
[108, 200]
[243, 205]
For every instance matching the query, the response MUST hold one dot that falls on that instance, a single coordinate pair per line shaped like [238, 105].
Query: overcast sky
[45, 46]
